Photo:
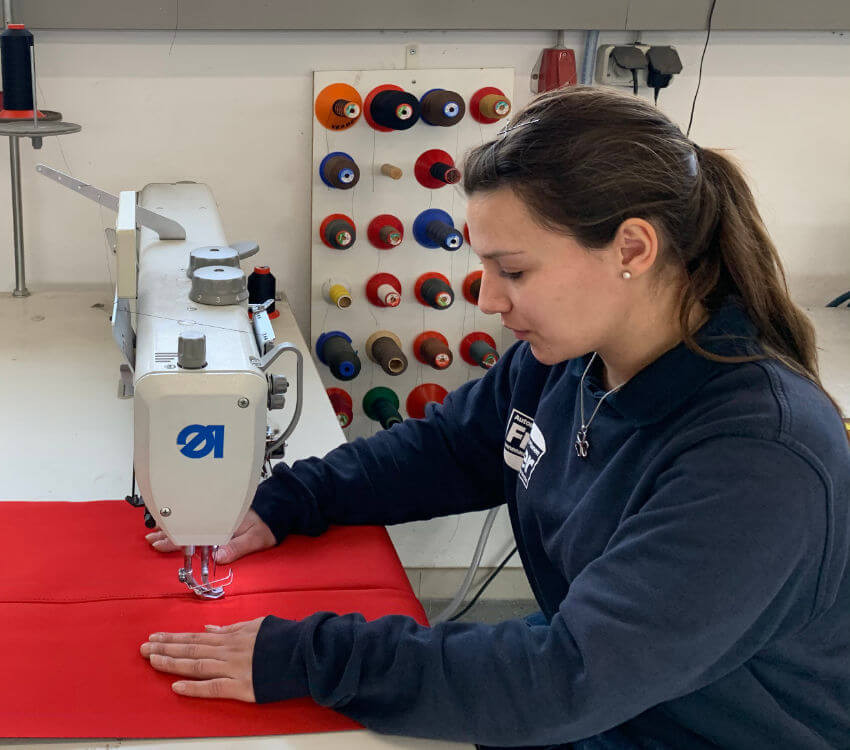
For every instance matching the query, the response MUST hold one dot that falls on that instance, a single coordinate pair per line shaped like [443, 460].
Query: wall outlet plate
[609, 73]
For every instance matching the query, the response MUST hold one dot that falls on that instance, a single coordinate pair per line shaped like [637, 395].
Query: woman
[676, 476]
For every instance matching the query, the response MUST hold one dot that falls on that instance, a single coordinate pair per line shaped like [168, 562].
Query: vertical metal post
[17, 217]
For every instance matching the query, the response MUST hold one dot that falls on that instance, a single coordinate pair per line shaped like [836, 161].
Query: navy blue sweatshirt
[693, 568]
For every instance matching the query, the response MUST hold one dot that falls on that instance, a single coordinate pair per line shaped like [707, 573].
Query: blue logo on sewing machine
[200, 440]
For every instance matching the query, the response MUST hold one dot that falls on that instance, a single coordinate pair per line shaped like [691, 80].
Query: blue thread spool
[435, 228]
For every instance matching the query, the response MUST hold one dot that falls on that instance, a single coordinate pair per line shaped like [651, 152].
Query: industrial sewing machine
[196, 365]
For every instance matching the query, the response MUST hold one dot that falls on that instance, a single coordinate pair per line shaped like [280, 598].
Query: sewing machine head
[201, 391]
[196, 363]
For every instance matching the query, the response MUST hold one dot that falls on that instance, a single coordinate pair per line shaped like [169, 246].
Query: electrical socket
[609, 73]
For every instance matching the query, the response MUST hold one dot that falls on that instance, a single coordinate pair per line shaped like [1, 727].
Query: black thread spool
[437, 293]
[445, 173]
[340, 357]
[443, 108]
[396, 110]
[484, 354]
[262, 287]
[340, 234]
[341, 172]
[444, 234]
[16, 49]
[475, 289]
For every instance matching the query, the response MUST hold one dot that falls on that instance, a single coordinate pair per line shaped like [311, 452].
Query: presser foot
[206, 589]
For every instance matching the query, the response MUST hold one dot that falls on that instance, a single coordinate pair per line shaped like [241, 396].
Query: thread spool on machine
[21, 117]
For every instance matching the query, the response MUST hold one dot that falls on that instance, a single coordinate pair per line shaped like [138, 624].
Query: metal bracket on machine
[166, 229]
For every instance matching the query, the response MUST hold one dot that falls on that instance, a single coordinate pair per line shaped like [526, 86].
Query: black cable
[483, 586]
[702, 59]
[839, 300]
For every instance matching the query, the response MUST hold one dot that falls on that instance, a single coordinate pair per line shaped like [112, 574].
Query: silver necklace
[582, 444]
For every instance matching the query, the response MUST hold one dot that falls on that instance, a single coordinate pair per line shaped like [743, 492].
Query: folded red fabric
[83, 590]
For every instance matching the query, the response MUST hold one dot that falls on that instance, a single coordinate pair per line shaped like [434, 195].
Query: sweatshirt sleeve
[689, 588]
[450, 462]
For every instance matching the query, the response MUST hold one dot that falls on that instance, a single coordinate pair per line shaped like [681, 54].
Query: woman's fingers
[160, 541]
[206, 639]
[184, 650]
[239, 690]
[228, 628]
[198, 669]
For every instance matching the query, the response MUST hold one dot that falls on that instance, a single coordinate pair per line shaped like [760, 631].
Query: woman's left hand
[218, 662]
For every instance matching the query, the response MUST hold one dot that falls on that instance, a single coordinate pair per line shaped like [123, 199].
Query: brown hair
[584, 159]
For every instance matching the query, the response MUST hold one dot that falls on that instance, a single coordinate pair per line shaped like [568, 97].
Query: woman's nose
[491, 296]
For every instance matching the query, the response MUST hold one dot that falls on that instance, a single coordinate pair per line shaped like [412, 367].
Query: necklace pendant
[582, 446]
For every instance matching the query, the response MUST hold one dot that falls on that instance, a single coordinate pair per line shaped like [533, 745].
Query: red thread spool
[432, 348]
[423, 395]
[436, 169]
[384, 290]
[472, 286]
[342, 405]
[383, 230]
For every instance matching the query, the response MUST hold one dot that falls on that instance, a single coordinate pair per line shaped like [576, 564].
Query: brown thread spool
[345, 108]
[390, 170]
[390, 235]
[436, 353]
[495, 106]
[332, 168]
[475, 288]
[443, 108]
[384, 348]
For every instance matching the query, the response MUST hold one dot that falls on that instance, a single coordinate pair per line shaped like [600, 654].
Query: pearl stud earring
[626, 275]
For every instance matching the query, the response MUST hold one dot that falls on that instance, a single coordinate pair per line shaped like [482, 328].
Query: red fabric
[76, 604]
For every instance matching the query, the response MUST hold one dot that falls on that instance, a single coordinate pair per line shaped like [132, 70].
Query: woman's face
[563, 299]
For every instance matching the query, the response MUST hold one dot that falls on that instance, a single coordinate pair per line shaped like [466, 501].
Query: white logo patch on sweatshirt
[516, 438]
[534, 450]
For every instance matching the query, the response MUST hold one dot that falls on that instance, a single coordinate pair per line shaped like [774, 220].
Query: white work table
[66, 436]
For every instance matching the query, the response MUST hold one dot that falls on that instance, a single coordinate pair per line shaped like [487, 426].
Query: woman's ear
[636, 245]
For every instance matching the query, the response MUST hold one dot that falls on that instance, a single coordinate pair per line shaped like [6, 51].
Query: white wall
[234, 110]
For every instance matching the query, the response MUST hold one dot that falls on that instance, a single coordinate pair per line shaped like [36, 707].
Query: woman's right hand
[252, 535]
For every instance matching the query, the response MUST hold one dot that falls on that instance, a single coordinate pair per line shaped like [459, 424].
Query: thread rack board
[377, 194]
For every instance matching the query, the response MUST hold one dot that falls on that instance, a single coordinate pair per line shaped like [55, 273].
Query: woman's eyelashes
[510, 274]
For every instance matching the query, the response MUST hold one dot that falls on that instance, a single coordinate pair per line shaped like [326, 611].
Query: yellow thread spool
[340, 296]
